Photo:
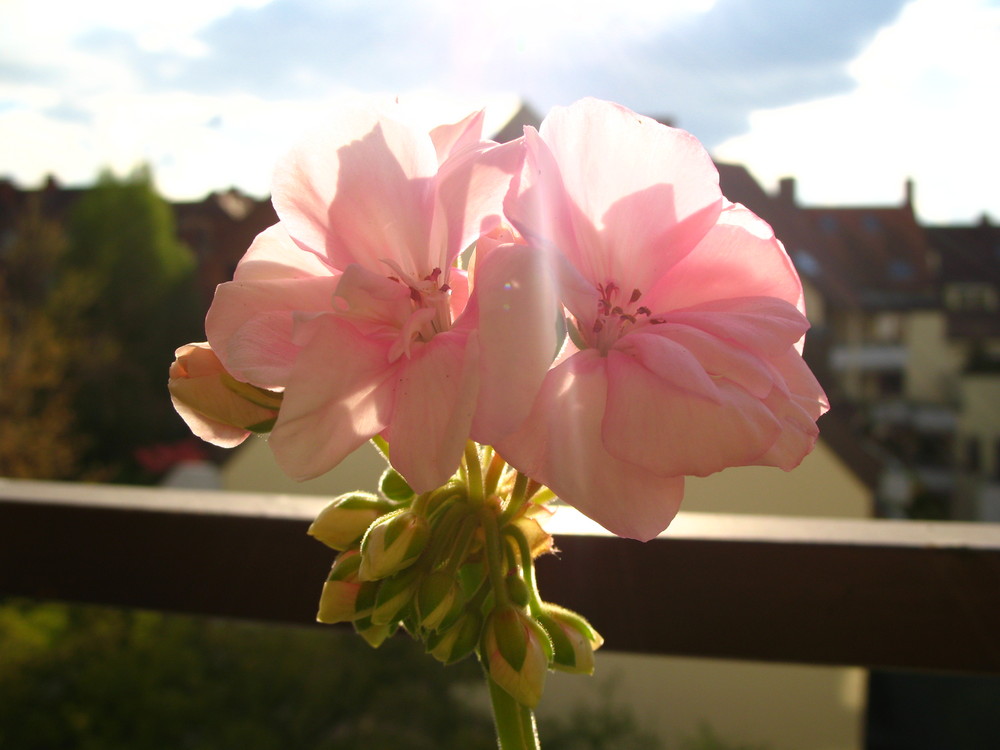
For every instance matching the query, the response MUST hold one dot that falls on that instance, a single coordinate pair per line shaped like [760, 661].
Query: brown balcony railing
[891, 594]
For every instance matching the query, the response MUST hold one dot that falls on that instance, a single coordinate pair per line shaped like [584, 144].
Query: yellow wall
[933, 363]
[821, 486]
[980, 417]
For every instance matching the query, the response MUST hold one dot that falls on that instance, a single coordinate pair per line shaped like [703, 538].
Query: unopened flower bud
[218, 408]
[364, 606]
[517, 589]
[574, 640]
[439, 601]
[338, 601]
[394, 542]
[393, 596]
[458, 641]
[344, 521]
[517, 652]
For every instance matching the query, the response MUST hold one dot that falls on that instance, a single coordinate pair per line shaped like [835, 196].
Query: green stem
[514, 723]
[475, 473]
[496, 569]
[517, 498]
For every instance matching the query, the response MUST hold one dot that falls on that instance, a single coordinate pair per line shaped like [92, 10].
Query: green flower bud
[439, 601]
[344, 521]
[393, 596]
[517, 589]
[392, 543]
[517, 652]
[457, 642]
[574, 640]
[364, 606]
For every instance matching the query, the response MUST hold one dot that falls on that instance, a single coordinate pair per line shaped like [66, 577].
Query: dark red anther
[644, 311]
[433, 275]
[415, 295]
[629, 318]
[598, 325]
[444, 288]
[635, 296]
[616, 310]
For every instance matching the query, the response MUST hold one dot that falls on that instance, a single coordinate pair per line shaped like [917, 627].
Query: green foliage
[144, 304]
[39, 353]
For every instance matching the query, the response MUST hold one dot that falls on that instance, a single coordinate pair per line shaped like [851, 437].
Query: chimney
[786, 190]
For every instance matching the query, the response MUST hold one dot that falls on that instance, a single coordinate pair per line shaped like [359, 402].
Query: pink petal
[452, 138]
[250, 324]
[764, 325]
[651, 191]
[542, 209]
[515, 298]
[274, 255]
[697, 351]
[561, 446]
[673, 432]
[359, 191]
[435, 396]
[738, 257]
[470, 191]
[340, 394]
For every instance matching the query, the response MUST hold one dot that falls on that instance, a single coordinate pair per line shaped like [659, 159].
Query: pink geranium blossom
[686, 320]
[353, 306]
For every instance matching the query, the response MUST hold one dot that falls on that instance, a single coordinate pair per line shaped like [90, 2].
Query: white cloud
[923, 109]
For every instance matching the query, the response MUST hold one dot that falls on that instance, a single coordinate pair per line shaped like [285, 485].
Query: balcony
[834, 592]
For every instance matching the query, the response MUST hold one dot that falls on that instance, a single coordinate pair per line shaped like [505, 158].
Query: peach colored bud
[458, 641]
[394, 542]
[517, 652]
[439, 601]
[338, 602]
[217, 408]
[344, 521]
[574, 640]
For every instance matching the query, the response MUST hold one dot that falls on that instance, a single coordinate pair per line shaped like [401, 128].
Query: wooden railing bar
[871, 593]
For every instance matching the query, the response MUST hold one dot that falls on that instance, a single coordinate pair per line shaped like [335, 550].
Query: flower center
[616, 316]
[430, 313]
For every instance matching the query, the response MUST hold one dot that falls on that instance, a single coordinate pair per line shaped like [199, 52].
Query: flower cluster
[578, 313]
[618, 326]
[454, 567]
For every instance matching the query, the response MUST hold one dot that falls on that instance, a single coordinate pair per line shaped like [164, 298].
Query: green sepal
[394, 487]
[257, 396]
[394, 596]
[262, 428]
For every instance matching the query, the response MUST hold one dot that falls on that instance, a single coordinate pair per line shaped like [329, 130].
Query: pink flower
[686, 320]
[217, 408]
[352, 304]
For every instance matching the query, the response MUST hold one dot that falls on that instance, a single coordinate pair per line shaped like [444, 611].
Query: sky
[851, 97]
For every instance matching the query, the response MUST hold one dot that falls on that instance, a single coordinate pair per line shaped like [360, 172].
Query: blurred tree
[143, 305]
[38, 353]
